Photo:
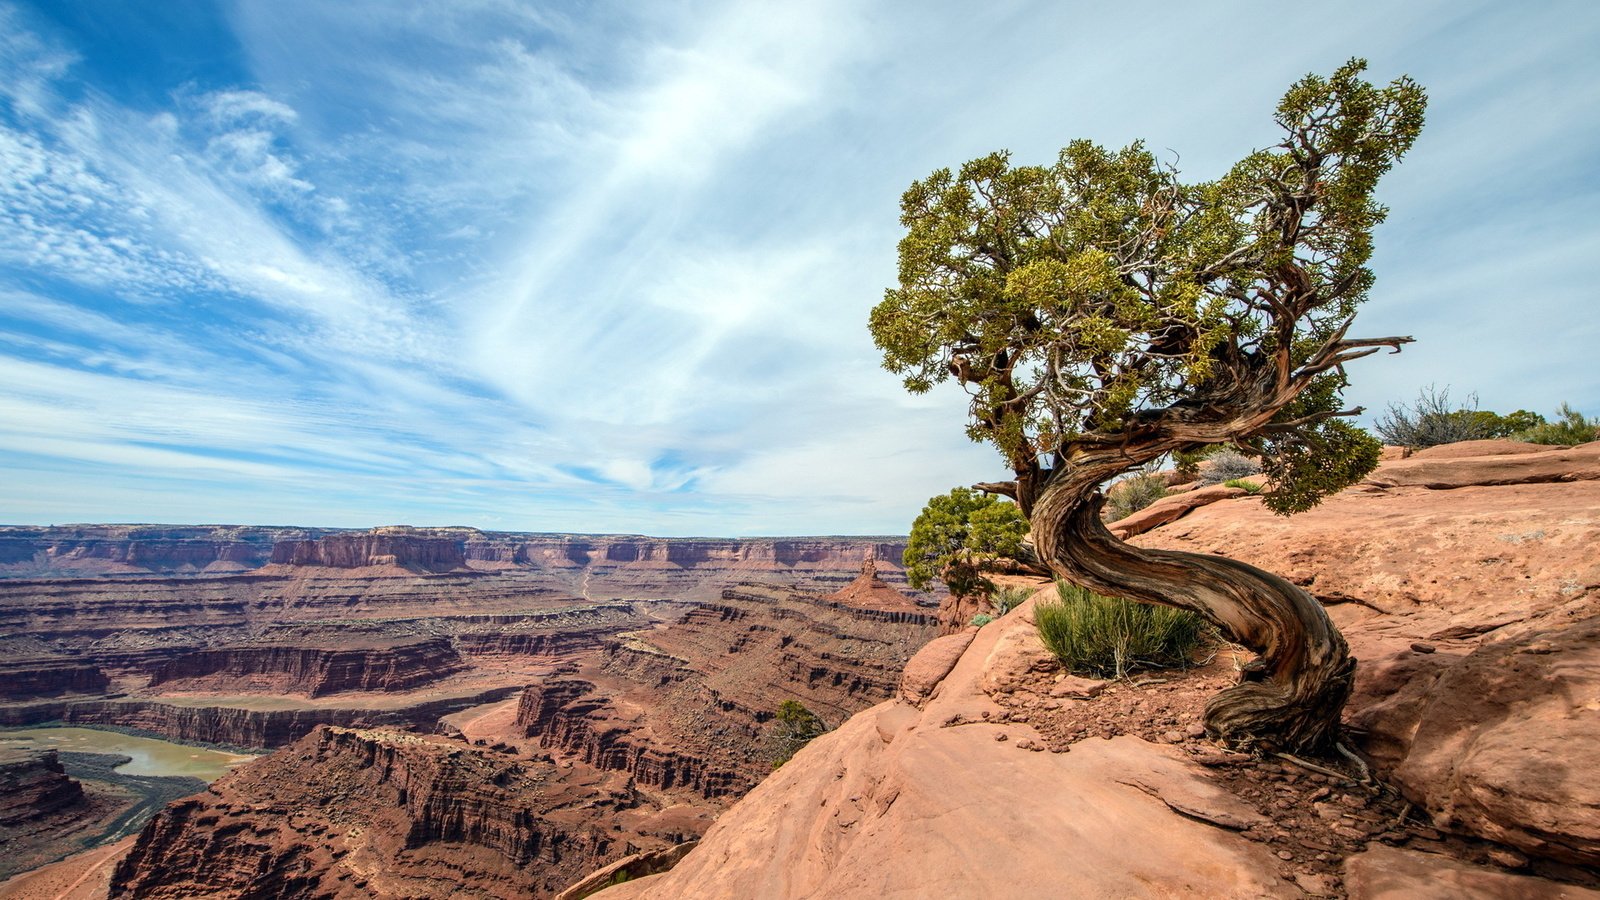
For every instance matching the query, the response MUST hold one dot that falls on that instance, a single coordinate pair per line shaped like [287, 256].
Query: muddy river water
[151, 756]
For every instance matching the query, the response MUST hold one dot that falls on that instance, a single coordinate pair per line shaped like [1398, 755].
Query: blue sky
[606, 266]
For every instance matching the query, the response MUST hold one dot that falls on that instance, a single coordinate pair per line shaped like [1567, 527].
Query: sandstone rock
[345, 806]
[1018, 655]
[1498, 578]
[1443, 472]
[951, 812]
[1463, 449]
[353, 550]
[33, 785]
[1172, 508]
[1389, 873]
[36, 678]
[869, 591]
[353, 664]
[1506, 744]
[932, 663]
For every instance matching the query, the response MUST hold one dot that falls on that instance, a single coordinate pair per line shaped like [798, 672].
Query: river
[150, 756]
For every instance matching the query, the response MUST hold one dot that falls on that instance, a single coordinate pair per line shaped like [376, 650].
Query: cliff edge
[1466, 583]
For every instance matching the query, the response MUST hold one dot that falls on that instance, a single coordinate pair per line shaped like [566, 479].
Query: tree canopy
[955, 533]
[1101, 313]
[1101, 296]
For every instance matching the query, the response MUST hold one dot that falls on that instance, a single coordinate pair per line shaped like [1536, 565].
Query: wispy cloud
[607, 267]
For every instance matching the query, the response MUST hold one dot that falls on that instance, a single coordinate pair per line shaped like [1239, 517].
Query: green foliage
[1249, 487]
[793, 727]
[954, 532]
[1432, 419]
[1108, 637]
[1008, 598]
[1570, 427]
[1101, 297]
[980, 620]
[1132, 494]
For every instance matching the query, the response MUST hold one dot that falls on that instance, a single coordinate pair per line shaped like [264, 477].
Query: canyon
[575, 698]
[522, 722]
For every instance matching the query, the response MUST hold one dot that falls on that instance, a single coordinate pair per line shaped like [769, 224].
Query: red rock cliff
[357, 550]
[370, 813]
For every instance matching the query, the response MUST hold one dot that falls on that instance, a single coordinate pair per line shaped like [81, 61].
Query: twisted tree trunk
[1291, 697]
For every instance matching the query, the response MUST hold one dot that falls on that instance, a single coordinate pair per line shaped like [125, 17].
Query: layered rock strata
[355, 550]
[375, 813]
[34, 786]
[686, 706]
[387, 667]
[30, 679]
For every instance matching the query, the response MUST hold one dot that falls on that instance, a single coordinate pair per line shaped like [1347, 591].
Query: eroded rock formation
[34, 786]
[379, 813]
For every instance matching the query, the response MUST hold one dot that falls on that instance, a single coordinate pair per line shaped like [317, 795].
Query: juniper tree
[1101, 313]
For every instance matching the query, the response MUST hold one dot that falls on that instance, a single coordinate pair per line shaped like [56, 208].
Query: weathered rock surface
[869, 591]
[1473, 606]
[947, 801]
[1389, 873]
[39, 677]
[376, 813]
[686, 705]
[240, 726]
[33, 786]
[1172, 508]
[355, 550]
[1502, 741]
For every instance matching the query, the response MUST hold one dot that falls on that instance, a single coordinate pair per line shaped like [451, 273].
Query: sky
[606, 267]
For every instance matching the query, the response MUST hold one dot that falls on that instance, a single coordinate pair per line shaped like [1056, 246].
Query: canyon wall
[416, 816]
[355, 550]
[34, 786]
[387, 666]
[687, 705]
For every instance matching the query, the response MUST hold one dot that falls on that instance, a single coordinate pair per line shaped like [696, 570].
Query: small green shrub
[1008, 598]
[792, 728]
[1108, 637]
[1249, 487]
[1132, 494]
[955, 532]
[1571, 427]
[980, 620]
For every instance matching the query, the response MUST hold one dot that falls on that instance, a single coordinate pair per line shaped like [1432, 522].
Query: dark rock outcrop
[33, 786]
[359, 813]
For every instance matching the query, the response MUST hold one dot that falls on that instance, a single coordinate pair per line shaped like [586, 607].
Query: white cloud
[609, 267]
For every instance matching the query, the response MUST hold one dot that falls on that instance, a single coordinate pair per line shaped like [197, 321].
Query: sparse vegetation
[1249, 487]
[1571, 427]
[1227, 465]
[1430, 421]
[1108, 637]
[980, 620]
[793, 727]
[956, 533]
[1008, 598]
[1132, 494]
